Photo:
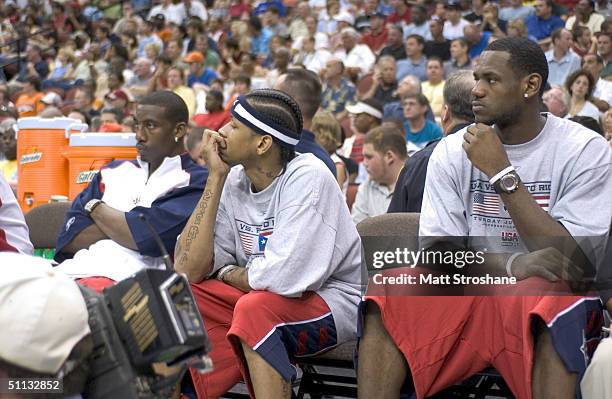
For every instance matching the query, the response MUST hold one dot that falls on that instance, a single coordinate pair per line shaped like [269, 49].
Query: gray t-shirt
[566, 168]
[296, 235]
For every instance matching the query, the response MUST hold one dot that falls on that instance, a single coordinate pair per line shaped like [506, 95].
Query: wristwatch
[507, 183]
[92, 204]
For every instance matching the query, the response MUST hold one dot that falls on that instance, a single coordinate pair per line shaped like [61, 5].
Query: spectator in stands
[8, 148]
[173, 50]
[604, 49]
[585, 14]
[281, 58]
[298, 27]
[602, 95]
[456, 115]
[301, 269]
[242, 86]
[274, 23]
[198, 73]
[304, 87]
[328, 134]
[146, 36]
[176, 85]
[395, 43]
[491, 22]
[138, 84]
[384, 83]
[260, 37]
[476, 15]
[358, 59]
[171, 12]
[438, 46]
[477, 39]
[561, 61]
[120, 100]
[454, 24]
[365, 115]
[102, 229]
[35, 65]
[384, 154]
[589, 123]
[555, 101]
[394, 334]
[377, 36]
[51, 99]
[111, 115]
[311, 58]
[419, 25]
[401, 14]
[320, 38]
[128, 17]
[542, 23]
[418, 130]
[433, 87]
[580, 86]
[416, 63]
[394, 111]
[84, 102]
[581, 43]
[517, 28]
[459, 57]
[80, 116]
[337, 90]
[28, 103]
[193, 141]
[216, 116]
[515, 10]
[192, 9]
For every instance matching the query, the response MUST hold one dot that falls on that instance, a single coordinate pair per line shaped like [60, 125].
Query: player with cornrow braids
[271, 251]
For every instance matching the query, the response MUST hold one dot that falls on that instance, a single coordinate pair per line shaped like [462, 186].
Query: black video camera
[151, 317]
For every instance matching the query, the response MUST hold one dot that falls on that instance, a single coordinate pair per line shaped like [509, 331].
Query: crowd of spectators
[93, 60]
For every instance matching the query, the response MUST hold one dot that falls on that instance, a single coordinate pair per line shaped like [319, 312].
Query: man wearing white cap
[45, 329]
[51, 99]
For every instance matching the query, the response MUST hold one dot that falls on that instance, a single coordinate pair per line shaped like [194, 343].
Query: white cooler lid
[61, 123]
[102, 140]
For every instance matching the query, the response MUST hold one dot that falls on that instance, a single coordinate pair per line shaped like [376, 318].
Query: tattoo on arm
[195, 226]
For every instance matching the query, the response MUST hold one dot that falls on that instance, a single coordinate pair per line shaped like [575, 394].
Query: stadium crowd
[223, 94]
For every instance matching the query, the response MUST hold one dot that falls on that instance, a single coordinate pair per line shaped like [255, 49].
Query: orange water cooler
[88, 152]
[42, 170]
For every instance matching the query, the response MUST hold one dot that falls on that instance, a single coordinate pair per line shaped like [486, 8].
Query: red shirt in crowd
[213, 121]
[375, 41]
[395, 18]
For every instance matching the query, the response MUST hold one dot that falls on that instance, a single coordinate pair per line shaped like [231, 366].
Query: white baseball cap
[42, 314]
[344, 16]
[51, 98]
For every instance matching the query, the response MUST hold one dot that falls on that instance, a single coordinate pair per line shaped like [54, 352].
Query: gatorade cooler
[42, 170]
[88, 152]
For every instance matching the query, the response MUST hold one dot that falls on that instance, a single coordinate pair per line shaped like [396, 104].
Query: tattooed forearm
[194, 229]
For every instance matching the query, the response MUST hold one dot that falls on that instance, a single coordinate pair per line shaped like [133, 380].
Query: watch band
[92, 204]
[499, 175]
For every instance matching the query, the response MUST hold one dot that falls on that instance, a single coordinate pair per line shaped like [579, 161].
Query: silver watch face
[509, 182]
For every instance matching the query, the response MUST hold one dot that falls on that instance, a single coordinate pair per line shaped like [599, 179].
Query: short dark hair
[115, 111]
[436, 59]
[419, 97]
[175, 108]
[305, 87]
[194, 137]
[526, 57]
[418, 38]
[246, 79]
[556, 34]
[462, 40]
[458, 94]
[387, 138]
[589, 123]
[575, 75]
[598, 58]
[217, 95]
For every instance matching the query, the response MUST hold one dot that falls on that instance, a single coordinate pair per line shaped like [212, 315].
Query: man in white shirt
[603, 88]
[358, 59]
[453, 27]
[384, 154]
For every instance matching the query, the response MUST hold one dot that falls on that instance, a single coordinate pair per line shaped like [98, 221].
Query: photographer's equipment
[149, 318]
